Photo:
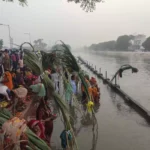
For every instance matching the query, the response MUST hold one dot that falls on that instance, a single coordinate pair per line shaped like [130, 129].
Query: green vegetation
[1, 44]
[110, 45]
[124, 43]
[22, 2]
[60, 47]
[146, 44]
[87, 5]
[39, 44]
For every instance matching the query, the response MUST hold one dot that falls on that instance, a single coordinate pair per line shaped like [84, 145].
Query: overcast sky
[53, 20]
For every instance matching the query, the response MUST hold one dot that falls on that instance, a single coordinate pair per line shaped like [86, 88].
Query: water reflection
[146, 65]
[95, 134]
[120, 121]
[73, 117]
[125, 109]
[96, 107]
[121, 60]
[88, 120]
[118, 102]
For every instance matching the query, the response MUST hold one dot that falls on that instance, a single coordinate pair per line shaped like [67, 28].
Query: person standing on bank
[6, 60]
[55, 79]
[14, 61]
[74, 88]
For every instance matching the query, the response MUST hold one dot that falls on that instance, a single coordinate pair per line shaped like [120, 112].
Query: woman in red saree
[43, 112]
[38, 128]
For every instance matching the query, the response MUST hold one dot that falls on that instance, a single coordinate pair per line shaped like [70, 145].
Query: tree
[1, 44]
[39, 44]
[87, 5]
[109, 45]
[21, 2]
[123, 42]
[146, 44]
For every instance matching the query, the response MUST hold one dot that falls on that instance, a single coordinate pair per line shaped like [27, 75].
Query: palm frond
[32, 61]
[69, 61]
[21, 46]
[48, 60]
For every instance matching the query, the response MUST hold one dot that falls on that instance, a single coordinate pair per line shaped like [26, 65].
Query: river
[119, 126]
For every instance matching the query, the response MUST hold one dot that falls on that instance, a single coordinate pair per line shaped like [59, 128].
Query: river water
[119, 126]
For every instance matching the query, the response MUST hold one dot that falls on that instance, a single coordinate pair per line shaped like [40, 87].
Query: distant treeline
[123, 43]
[146, 44]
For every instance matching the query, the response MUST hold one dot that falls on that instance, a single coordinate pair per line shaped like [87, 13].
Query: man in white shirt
[55, 79]
[4, 91]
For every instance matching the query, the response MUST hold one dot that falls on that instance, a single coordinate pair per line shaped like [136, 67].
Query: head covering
[6, 50]
[87, 76]
[20, 92]
[93, 80]
[39, 89]
[33, 123]
[36, 79]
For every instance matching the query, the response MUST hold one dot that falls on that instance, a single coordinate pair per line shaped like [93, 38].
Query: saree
[8, 79]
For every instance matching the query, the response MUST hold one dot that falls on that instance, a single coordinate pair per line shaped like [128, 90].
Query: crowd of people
[18, 82]
[92, 89]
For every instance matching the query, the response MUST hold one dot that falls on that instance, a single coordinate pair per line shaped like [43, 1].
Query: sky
[54, 20]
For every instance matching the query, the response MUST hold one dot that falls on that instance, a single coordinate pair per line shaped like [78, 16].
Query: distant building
[136, 42]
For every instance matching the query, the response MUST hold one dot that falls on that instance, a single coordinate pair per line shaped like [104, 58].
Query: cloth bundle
[14, 128]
